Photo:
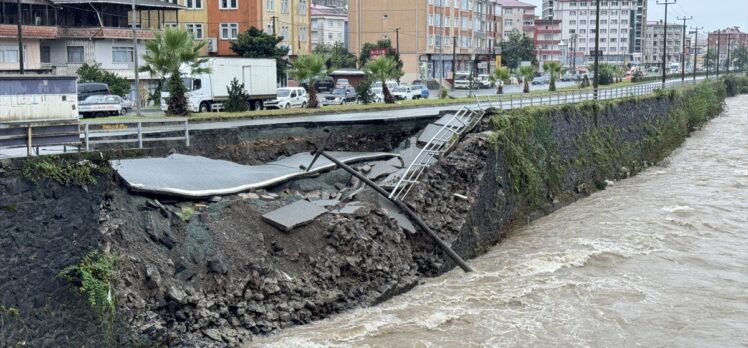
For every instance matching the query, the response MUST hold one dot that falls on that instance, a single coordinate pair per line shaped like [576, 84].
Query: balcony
[103, 33]
[29, 31]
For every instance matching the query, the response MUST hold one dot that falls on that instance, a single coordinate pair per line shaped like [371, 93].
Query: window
[122, 55]
[572, 22]
[46, 57]
[196, 29]
[508, 22]
[284, 32]
[8, 54]
[229, 31]
[284, 6]
[171, 25]
[270, 5]
[75, 54]
[228, 4]
[302, 8]
[302, 34]
[194, 4]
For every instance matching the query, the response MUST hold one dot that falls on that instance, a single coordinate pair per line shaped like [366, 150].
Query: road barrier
[141, 131]
[36, 133]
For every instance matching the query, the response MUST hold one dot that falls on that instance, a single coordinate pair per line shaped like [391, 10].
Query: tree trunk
[552, 86]
[527, 87]
[388, 98]
[312, 91]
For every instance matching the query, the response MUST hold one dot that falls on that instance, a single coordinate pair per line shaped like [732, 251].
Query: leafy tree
[255, 43]
[237, 101]
[554, 69]
[168, 52]
[93, 73]
[365, 55]
[363, 90]
[336, 55]
[382, 69]
[498, 77]
[527, 73]
[517, 48]
[309, 69]
[606, 73]
[740, 57]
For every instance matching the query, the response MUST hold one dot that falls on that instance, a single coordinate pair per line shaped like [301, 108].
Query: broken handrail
[320, 151]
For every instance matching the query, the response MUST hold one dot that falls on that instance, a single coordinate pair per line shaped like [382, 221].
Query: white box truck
[207, 92]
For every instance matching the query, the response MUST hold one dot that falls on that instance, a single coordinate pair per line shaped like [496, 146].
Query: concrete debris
[391, 180]
[269, 197]
[394, 212]
[433, 132]
[326, 202]
[293, 215]
[463, 197]
[250, 195]
[353, 208]
[395, 162]
[381, 169]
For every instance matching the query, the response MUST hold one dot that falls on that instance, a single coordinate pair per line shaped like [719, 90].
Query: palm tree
[309, 69]
[382, 69]
[169, 52]
[554, 69]
[527, 73]
[498, 77]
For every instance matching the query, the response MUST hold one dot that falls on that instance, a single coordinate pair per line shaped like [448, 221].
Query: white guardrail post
[85, 131]
[140, 135]
[187, 133]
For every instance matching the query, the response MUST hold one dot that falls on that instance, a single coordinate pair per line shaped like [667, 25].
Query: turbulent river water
[658, 260]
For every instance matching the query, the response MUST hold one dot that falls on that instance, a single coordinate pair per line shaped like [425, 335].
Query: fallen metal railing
[140, 132]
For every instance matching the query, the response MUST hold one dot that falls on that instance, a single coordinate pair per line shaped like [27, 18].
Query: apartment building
[430, 31]
[654, 40]
[61, 35]
[289, 19]
[329, 25]
[516, 15]
[729, 39]
[618, 23]
[226, 19]
[548, 42]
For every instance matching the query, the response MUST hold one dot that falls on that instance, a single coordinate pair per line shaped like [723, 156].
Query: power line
[664, 39]
[683, 54]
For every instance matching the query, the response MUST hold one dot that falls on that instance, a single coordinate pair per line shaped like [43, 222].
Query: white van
[289, 97]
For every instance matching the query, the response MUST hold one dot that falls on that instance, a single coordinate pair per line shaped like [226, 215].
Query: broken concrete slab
[391, 180]
[394, 212]
[352, 208]
[456, 122]
[380, 169]
[435, 134]
[396, 162]
[326, 202]
[296, 214]
[195, 176]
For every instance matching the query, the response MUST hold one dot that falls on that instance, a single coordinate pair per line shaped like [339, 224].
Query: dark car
[423, 90]
[340, 96]
[88, 89]
[325, 85]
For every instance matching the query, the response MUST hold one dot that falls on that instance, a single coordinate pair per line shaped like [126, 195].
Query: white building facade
[329, 25]
[618, 27]
[653, 45]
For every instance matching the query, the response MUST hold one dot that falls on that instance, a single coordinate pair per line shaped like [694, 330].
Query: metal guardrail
[33, 134]
[505, 102]
[141, 131]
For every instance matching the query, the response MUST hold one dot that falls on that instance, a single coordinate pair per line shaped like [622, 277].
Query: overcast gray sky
[710, 14]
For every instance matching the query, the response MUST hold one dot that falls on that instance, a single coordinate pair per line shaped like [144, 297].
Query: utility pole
[706, 56]
[135, 61]
[596, 80]
[729, 43]
[664, 39]
[20, 38]
[574, 54]
[454, 60]
[696, 51]
[719, 39]
[397, 40]
[273, 18]
[683, 54]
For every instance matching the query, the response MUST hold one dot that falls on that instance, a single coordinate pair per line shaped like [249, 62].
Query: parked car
[342, 83]
[341, 96]
[289, 97]
[325, 85]
[462, 81]
[484, 81]
[377, 95]
[404, 92]
[566, 77]
[541, 80]
[420, 91]
[100, 105]
[390, 84]
[88, 89]
[126, 104]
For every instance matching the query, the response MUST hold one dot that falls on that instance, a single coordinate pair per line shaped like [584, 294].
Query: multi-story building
[194, 19]
[517, 15]
[61, 35]
[618, 23]
[289, 19]
[698, 48]
[329, 25]
[640, 26]
[429, 31]
[226, 19]
[548, 41]
[654, 40]
[729, 39]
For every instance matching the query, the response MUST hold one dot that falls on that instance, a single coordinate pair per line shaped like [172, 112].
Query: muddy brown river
[658, 260]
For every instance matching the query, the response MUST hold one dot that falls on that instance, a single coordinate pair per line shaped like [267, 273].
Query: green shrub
[443, 93]
[93, 73]
[363, 90]
[238, 97]
[92, 277]
[61, 170]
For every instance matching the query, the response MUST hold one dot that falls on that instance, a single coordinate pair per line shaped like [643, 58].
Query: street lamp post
[683, 54]
[664, 40]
